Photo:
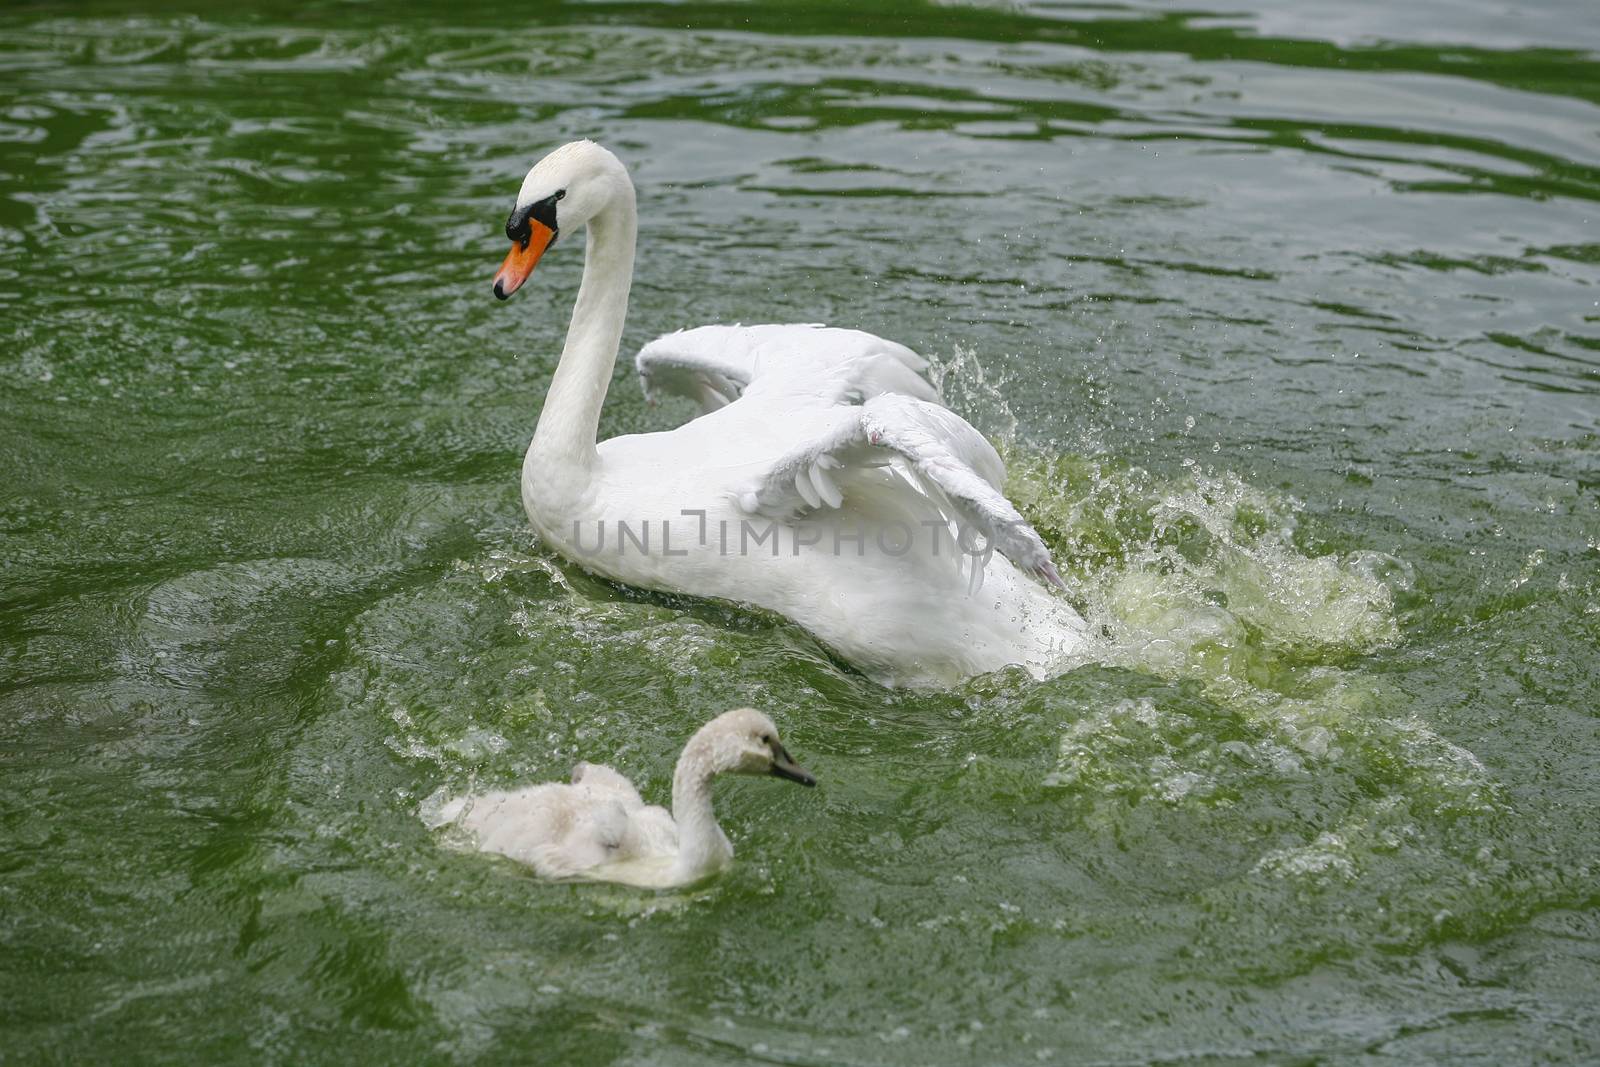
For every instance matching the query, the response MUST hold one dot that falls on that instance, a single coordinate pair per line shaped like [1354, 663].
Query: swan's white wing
[935, 450]
[651, 832]
[715, 365]
[590, 831]
[598, 831]
[598, 777]
[711, 366]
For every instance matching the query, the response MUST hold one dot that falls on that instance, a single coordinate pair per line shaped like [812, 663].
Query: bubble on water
[499, 562]
[1327, 855]
[1389, 571]
[476, 743]
[1132, 751]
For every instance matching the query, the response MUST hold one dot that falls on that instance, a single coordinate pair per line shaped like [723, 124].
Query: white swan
[823, 481]
[598, 829]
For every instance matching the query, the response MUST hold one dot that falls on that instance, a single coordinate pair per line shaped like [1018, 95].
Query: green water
[1288, 318]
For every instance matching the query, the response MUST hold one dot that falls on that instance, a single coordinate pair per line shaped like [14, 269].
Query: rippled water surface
[1286, 315]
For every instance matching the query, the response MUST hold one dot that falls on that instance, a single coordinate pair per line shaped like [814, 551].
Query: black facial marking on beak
[784, 766]
[542, 211]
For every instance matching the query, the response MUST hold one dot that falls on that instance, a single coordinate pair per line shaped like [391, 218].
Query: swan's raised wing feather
[597, 777]
[715, 365]
[711, 365]
[935, 450]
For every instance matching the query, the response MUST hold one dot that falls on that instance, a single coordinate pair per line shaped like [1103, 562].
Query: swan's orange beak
[522, 259]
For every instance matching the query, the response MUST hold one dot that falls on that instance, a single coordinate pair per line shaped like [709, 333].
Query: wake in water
[1206, 581]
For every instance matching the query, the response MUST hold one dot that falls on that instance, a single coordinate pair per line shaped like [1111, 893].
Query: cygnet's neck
[702, 846]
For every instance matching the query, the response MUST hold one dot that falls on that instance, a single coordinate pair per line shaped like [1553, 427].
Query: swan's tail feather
[447, 812]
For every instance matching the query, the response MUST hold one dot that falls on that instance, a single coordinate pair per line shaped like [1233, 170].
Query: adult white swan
[823, 480]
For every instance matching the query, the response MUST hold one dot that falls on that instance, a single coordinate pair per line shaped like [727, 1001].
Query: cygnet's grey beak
[784, 766]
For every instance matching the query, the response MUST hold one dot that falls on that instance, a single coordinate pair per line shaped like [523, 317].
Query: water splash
[1203, 579]
[1202, 575]
[973, 392]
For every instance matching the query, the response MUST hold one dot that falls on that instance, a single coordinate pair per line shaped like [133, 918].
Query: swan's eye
[541, 211]
[768, 740]
[561, 194]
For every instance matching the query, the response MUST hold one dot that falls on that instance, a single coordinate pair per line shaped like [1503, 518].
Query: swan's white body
[598, 829]
[824, 480]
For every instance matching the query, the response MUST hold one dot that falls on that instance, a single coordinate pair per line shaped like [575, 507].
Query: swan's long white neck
[702, 846]
[563, 448]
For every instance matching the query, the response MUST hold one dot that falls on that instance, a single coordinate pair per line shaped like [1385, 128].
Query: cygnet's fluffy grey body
[598, 828]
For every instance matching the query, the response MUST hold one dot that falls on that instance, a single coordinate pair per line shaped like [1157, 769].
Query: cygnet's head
[563, 191]
[744, 741]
